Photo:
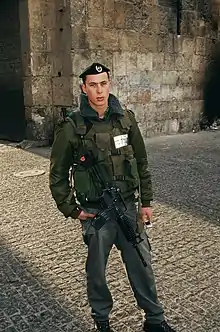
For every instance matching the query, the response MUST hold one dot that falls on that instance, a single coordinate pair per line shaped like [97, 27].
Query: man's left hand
[146, 214]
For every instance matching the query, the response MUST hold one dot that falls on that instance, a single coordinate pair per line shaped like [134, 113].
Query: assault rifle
[111, 202]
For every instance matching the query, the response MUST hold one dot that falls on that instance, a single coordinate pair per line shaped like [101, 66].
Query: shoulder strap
[78, 122]
[125, 120]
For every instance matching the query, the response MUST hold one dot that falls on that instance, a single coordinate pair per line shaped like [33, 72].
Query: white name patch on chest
[120, 141]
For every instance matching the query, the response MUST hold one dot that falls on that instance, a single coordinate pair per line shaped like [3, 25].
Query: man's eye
[104, 83]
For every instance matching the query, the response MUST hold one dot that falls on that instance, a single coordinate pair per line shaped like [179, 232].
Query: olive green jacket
[66, 141]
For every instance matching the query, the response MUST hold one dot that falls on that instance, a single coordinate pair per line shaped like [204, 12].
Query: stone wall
[156, 73]
[46, 53]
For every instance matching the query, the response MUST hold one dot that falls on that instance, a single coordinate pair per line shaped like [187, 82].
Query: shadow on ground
[186, 170]
[28, 304]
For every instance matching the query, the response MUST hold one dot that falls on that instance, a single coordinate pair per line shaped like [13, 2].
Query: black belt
[118, 177]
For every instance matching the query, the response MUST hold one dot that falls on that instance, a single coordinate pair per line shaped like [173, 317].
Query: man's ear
[83, 87]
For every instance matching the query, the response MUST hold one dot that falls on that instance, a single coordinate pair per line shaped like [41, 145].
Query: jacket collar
[87, 111]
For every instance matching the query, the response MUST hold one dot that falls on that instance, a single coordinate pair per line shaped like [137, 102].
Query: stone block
[171, 126]
[80, 60]
[42, 14]
[148, 42]
[165, 93]
[123, 96]
[42, 39]
[132, 16]
[145, 61]
[167, 43]
[103, 56]
[145, 20]
[170, 77]
[134, 78]
[102, 39]
[187, 92]
[158, 61]
[181, 92]
[169, 61]
[75, 82]
[109, 13]
[24, 38]
[128, 40]
[189, 23]
[119, 63]
[210, 45]
[155, 77]
[198, 77]
[119, 14]
[183, 61]
[95, 13]
[78, 12]
[197, 92]
[41, 63]
[26, 63]
[198, 63]
[186, 77]
[27, 90]
[197, 107]
[41, 90]
[162, 20]
[177, 93]
[188, 45]
[63, 13]
[121, 84]
[139, 96]
[110, 40]
[131, 62]
[80, 38]
[200, 46]
[61, 64]
[61, 91]
[145, 79]
[63, 40]
[156, 94]
[40, 123]
[189, 5]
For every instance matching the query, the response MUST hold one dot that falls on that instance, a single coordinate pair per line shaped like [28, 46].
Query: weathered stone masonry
[156, 73]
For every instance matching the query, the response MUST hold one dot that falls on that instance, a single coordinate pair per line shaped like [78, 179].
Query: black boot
[162, 327]
[103, 326]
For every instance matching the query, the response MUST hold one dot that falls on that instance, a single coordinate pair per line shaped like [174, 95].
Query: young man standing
[102, 126]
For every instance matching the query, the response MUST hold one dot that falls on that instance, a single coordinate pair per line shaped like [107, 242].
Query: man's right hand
[83, 215]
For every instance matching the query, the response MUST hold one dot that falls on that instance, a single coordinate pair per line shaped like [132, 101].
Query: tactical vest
[109, 141]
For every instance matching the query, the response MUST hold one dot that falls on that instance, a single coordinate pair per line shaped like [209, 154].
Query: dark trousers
[141, 278]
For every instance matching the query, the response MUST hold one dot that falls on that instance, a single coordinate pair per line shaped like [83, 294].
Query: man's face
[97, 88]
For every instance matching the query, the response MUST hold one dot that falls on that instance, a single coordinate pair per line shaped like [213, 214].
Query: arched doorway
[12, 114]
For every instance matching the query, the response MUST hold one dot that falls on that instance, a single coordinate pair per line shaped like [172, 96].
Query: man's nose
[99, 88]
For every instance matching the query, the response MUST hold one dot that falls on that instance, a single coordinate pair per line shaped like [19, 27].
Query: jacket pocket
[84, 186]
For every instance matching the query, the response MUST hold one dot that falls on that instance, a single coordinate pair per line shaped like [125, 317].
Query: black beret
[94, 69]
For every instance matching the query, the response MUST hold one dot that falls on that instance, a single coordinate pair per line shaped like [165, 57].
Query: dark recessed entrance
[12, 116]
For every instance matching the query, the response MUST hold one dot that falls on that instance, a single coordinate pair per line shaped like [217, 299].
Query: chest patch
[121, 141]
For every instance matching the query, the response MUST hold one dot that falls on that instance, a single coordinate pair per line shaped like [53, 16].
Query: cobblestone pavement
[42, 256]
